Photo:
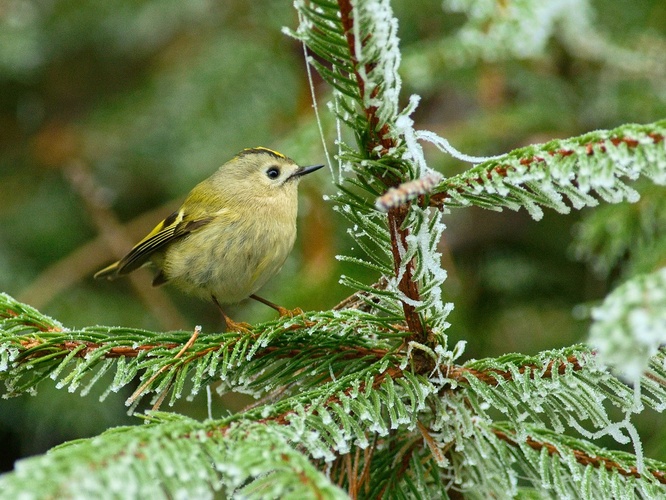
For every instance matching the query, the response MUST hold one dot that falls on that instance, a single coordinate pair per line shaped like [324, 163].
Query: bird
[232, 233]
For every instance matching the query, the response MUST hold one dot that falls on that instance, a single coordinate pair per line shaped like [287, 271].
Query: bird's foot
[289, 313]
[232, 326]
[237, 326]
[282, 311]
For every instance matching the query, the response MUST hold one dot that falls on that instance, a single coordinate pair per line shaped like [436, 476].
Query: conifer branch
[33, 347]
[494, 376]
[380, 135]
[21, 320]
[575, 168]
[36, 341]
[582, 457]
[377, 137]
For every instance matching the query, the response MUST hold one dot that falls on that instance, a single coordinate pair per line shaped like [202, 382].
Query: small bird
[231, 235]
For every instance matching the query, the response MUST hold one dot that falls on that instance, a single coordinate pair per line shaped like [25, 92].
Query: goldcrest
[231, 235]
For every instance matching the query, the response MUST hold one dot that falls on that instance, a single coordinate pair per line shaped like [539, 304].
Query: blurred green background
[110, 112]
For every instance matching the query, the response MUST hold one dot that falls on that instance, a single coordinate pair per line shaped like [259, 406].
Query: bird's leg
[281, 310]
[232, 326]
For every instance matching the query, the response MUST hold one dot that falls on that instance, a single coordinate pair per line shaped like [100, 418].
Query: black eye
[273, 173]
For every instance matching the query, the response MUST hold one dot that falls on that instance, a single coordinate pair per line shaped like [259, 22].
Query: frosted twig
[134, 397]
[408, 191]
[582, 457]
[437, 454]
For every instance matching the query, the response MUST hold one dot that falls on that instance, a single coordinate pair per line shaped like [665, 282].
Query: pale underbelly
[235, 266]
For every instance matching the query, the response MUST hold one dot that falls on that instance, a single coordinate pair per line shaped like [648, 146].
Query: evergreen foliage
[369, 399]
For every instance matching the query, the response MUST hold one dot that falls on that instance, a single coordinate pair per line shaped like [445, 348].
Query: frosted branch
[581, 457]
[542, 175]
[630, 325]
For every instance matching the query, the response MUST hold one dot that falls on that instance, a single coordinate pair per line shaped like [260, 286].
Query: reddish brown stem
[582, 457]
[397, 215]
[492, 376]
[406, 285]
[133, 352]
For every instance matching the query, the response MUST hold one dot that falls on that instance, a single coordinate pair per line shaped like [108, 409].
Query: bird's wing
[173, 227]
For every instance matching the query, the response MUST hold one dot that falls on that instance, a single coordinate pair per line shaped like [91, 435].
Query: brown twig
[132, 352]
[436, 453]
[406, 285]
[364, 478]
[147, 383]
[351, 479]
[114, 352]
[84, 261]
[116, 238]
[491, 376]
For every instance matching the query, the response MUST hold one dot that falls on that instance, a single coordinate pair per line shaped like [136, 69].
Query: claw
[289, 313]
[237, 326]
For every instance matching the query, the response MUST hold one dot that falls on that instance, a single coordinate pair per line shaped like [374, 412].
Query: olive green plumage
[232, 233]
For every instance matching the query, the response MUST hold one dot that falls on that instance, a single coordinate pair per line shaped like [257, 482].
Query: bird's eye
[273, 173]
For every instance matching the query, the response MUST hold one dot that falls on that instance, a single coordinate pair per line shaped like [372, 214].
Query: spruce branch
[363, 70]
[329, 406]
[596, 162]
[191, 458]
[379, 134]
[620, 463]
[495, 376]
[505, 450]
[537, 388]
[34, 347]
[50, 348]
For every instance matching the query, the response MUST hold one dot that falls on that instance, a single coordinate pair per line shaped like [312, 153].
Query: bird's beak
[305, 170]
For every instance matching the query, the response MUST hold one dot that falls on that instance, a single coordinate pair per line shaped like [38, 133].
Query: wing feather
[167, 231]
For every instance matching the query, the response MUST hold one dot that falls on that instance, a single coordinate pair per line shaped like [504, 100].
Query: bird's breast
[233, 258]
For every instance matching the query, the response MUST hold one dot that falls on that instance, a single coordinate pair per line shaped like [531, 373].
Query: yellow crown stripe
[260, 149]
